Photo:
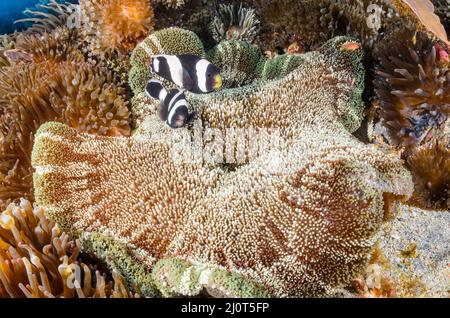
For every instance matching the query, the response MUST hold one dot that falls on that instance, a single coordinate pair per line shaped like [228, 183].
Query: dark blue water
[12, 10]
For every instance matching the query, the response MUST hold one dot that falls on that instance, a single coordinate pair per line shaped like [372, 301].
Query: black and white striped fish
[173, 106]
[190, 72]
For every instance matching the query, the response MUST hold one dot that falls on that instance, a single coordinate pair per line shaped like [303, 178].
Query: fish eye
[209, 74]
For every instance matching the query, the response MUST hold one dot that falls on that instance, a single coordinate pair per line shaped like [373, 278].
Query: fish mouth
[217, 82]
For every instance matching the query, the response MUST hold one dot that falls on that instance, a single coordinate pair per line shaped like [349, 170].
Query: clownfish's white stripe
[175, 69]
[156, 65]
[181, 102]
[200, 69]
[162, 94]
[174, 98]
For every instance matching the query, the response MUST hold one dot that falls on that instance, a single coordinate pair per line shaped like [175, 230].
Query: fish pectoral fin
[162, 111]
[188, 82]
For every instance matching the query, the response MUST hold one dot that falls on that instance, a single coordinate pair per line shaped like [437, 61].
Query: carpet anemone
[167, 41]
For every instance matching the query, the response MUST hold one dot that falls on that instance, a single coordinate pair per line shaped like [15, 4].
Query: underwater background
[99, 198]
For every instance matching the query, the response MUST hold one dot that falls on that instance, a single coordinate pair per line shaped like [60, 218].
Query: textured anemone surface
[57, 46]
[430, 167]
[297, 220]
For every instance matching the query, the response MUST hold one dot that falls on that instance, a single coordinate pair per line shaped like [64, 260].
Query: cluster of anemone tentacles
[105, 31]
[412, 85]
[240, 62]
[38, 260]
[317, 21]
[47, 80]
[48, 15]
[115, 24]
[233, 22]
[297, 220]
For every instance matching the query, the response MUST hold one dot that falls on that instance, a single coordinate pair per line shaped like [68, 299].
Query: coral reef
[55, 85]
[296, 221]
[115, 24]
[234, 23]
[317, 21]
[38, 260]
[281, 182]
